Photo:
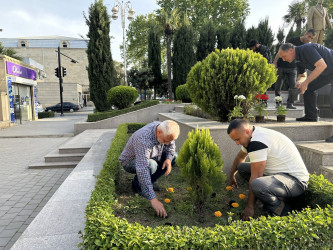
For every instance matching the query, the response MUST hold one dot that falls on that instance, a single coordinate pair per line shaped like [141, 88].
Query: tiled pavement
[23, 191]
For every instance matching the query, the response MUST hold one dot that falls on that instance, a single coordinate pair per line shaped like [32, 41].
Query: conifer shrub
[45, 114]
[201, 165]
[122, 96]
[183, 94]
[215, 81]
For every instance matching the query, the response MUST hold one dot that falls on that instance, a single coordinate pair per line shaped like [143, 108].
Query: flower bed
[309, 229]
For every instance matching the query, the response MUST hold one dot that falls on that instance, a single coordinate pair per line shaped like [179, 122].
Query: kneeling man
[276, 171]
[149, 154]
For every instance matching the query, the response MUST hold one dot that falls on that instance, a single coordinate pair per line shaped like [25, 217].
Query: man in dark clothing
[319, 60]
[262, 49]
[286, 69]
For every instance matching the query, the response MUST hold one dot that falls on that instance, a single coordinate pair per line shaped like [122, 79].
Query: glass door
[16, 102]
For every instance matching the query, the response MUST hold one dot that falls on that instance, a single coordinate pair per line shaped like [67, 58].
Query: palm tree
[9, 52]
[296, 14]
[168, 24]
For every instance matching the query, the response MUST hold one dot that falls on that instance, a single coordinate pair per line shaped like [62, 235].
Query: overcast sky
[20, 18]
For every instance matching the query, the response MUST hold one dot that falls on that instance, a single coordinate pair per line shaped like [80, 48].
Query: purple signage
[17, 70]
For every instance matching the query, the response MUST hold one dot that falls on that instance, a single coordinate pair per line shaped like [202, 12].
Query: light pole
[123, 7]
[61, 72]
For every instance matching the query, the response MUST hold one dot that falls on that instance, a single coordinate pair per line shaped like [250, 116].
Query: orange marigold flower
[167, 200]
[229, 188]
[242, 196]
[235, 204]
[189, 189]
[170, 190]
[218, 214]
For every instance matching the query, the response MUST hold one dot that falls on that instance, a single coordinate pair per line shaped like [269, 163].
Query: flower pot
[293, 95]
[260, 118]
[280, 118]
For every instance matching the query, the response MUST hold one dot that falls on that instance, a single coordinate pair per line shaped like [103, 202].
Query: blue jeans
[155, 168]
[271, 189]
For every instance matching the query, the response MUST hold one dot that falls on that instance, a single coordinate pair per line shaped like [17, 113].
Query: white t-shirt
[279, 152]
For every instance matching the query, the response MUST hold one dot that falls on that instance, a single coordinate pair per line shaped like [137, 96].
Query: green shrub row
[308, 229]
[42, 115]
[122, 96]
[108, 114]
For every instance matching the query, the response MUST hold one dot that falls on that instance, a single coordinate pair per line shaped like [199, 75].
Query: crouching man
[149, 153]
[276, 171]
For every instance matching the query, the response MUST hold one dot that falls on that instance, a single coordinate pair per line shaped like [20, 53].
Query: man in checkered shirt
[150, 153]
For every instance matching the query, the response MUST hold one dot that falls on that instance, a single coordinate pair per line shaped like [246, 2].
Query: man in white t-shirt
[276, 171]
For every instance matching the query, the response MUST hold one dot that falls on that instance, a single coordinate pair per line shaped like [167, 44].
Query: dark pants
[155, 168]
[291, 73]
[310, 96]
[270, 190]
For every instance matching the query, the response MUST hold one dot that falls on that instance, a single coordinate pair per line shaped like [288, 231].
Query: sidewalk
[23, 191]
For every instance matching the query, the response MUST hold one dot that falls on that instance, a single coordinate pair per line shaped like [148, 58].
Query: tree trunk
[168, 40]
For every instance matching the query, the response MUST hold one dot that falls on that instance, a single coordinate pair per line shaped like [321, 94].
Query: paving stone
[9, 216]
[5, 222]
[4, 241]
[20, 218]
[15, 210]
[8, 233]
[26, 212]
[15, 225]
[5, 208]
[20, 205]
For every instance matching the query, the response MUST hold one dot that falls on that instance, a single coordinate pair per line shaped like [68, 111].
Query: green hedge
[108, 114]
[42, 115]
[122, 96]
[308, 229]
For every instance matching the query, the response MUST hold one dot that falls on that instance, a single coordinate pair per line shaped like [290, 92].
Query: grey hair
[169, 127]
[287, 46]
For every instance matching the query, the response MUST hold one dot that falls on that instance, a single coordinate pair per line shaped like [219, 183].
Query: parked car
[67, 106]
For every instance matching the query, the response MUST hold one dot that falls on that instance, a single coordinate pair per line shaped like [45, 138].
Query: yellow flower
[167, 200]
[229, 188]
[170, 190]
[235, 204]
[189, 189]
[242, 196]
[218, 214]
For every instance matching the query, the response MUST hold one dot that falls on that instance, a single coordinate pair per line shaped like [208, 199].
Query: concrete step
[42, 164]
[327, 172]
[79, 150]
[56, 156]
[316, 154]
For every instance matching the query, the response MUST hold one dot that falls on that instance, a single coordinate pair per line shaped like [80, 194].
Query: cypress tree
[207, 41]
[101, 67]
[223, 37]
[265, 33]
[154, 57]
[238, 36]
[251, 33]
[183, 55]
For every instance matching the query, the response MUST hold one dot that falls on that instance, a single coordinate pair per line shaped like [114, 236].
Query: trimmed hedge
[182, 93]
[122, 96]
[48, 114]
[98, 116]
[308, 229]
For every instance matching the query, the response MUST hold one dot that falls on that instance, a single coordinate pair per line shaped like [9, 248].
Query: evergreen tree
[328, 42]
[265, 33]
[223, 37]
[293, 33]
[154, 57]
[101, 67]
[251, 33]
[238, 36]
[280, 37]
[183, 55]
[207, 40]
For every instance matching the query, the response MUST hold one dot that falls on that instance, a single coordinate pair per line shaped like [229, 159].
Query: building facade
[44, 51]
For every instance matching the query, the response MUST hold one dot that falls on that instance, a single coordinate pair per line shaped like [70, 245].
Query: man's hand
[233, 181]
[247, 213]
[158, 207]
[302, 86]
[167, 164]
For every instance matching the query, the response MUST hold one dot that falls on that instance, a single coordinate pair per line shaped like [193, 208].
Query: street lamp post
[60, 72]
[123, 7]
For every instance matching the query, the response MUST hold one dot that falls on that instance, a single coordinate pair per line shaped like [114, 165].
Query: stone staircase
[71, 152]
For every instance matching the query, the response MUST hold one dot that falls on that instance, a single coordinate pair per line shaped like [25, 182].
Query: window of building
[64, 44]
[23, 43]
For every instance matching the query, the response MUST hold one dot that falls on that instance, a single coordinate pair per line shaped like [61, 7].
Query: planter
[280, 118]
[260, 118]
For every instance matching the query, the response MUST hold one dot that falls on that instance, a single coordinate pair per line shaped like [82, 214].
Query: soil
[180, 210]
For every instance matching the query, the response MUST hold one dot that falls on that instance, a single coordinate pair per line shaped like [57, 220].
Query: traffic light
[56, 72]
[64, 72]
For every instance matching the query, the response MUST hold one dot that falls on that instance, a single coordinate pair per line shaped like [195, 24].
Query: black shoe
[329, 139]
[156, 187]
[306, 119]
[290, 106]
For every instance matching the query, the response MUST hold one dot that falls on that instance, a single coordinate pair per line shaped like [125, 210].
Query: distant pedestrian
[84, 101]
[261, 49]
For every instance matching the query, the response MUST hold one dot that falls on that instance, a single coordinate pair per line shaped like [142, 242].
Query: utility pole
[60, 83]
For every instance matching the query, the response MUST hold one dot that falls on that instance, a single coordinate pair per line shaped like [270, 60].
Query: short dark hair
[311, 31]
[235, 124]
[287, 46]
[253, 43]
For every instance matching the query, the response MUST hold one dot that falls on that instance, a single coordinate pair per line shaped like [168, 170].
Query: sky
[20, 18]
